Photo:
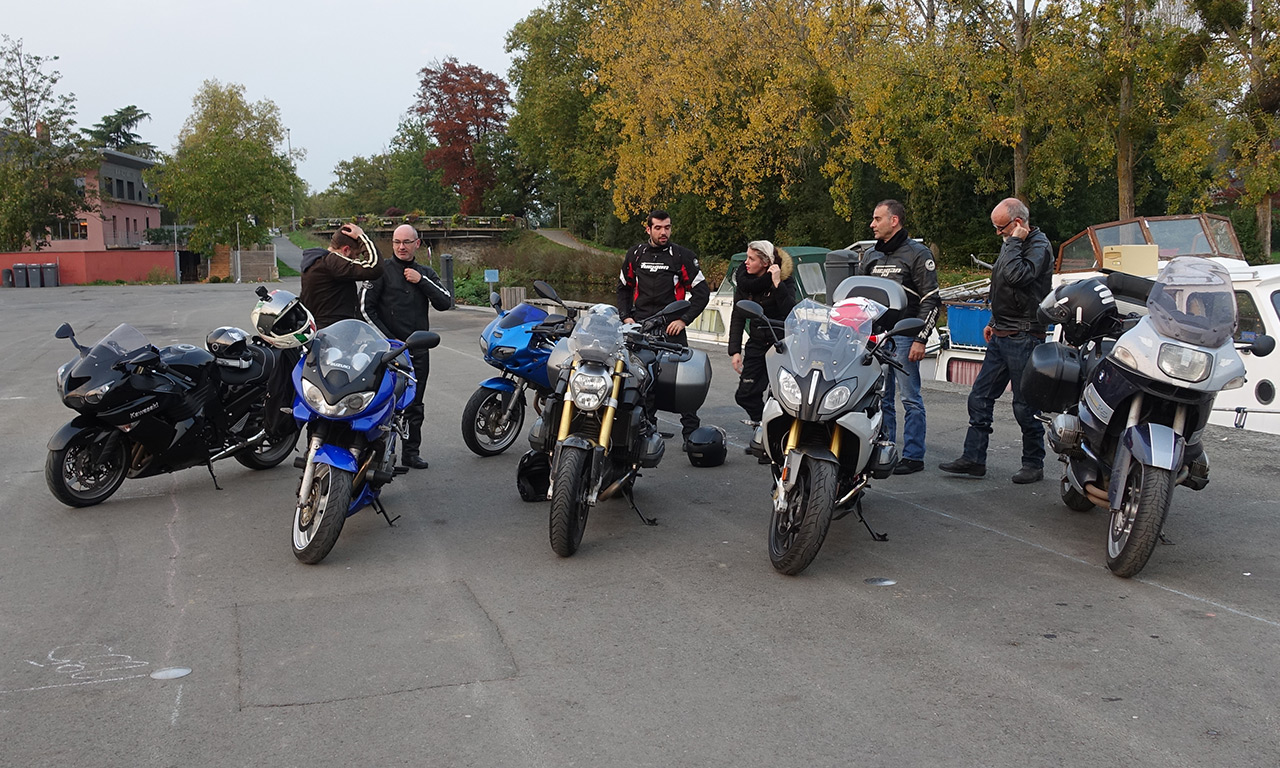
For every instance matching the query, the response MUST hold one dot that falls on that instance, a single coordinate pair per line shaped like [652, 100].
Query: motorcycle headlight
[1184, 363]
[588, 390]
[484, 346]
[502, 353]
[94, 396]
[836, 399]
[788, 389]
[1235, 383]
[345, 407]
[1125, 356]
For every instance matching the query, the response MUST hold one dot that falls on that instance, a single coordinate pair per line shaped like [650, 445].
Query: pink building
[128, 208]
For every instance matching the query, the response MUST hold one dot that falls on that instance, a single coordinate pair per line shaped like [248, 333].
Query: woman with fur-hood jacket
[766, 277]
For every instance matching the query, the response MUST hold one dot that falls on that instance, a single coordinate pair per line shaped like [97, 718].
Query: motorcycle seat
[261, 362]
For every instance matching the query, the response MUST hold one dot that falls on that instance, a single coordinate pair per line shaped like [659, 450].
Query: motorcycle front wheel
[76, 478]
[318, 519]
[796, 533]
[1135, 527]
[270, 452]
[483, 430]
[569, 500]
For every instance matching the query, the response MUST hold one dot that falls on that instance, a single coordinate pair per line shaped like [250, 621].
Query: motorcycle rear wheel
[569, 500]
[330, 497]
[1135, 527]
[270, 452]
[480, 429]
[74, 481]
[796, 535]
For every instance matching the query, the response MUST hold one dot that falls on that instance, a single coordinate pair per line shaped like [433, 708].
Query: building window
[80, 231]
[105, 185]
[130, 185]
[120, 189]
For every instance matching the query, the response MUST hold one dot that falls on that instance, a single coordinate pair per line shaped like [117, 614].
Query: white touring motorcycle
[822, 422]
[1133, 393]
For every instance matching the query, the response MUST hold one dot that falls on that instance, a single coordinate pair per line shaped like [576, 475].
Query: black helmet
[533, 476]
[227, 342]
[707, 447]
[1085, 309]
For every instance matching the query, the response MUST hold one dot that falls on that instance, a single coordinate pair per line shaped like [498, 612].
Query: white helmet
[281, 320]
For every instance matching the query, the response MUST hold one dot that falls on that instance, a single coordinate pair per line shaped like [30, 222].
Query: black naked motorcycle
[145, 411]
[599, 426]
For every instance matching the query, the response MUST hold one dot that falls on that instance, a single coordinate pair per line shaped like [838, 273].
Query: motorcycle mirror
[677, 307]
[1262, 345]
[547, 292]
[263, 293]
[422, 340]
[64, 332]
[495, 301]
[751, 308]
[907, 326]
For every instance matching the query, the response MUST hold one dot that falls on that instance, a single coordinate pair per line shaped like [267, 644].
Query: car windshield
[829, 339]
[1193, 302]
[120, 343]
[347, 350]
[598, 335]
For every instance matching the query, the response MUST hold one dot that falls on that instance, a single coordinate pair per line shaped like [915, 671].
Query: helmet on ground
[1085, 309]
[282, 321]
[706, 447]
[533, 476]
[227, 342]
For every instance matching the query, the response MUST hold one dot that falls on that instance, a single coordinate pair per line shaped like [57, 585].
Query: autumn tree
[115, 131]
[42, 157]
[228, 169]
[462, 106]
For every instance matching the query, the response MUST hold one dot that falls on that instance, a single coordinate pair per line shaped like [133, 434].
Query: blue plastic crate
[966, 321]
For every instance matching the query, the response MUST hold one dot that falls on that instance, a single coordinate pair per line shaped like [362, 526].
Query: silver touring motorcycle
[1133, 393]
[822, 422]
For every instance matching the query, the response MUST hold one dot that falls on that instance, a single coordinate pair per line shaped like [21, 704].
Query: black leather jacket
[398, 307]
[910, 264]
[1021, 277]
[776, 303]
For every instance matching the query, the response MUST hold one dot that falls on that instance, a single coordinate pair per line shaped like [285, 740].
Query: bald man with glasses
[399, 304]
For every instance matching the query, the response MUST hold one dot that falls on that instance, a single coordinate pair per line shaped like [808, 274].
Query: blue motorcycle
[350, 393]
[518, 343]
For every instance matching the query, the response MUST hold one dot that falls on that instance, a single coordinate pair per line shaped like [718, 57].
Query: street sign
[491, 275]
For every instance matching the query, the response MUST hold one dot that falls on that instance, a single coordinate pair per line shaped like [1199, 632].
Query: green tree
[411, 185]
[115, 131]
[43, 161]
[227, 170]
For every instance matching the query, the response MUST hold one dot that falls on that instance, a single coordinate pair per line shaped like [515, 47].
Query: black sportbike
[145, 411]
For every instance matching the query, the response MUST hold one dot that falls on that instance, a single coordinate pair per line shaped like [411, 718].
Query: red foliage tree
[462, 105]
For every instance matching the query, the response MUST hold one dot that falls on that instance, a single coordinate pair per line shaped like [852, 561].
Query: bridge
[430, 228]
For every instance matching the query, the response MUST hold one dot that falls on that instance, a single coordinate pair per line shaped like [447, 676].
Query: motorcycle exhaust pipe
[1097, 495]
[615, 486]
[262, 434]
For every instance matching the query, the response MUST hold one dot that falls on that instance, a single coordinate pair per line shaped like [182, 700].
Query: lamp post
[288, 141]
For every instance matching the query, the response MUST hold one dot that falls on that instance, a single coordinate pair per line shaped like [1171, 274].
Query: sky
[315, 60]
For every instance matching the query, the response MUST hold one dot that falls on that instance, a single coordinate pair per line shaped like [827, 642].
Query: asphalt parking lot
[457, 638]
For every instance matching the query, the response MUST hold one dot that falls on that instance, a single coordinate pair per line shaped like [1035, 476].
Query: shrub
[214, 279]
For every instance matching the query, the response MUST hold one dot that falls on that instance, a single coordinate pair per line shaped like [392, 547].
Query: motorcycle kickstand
[632, 501]
[1165, 539]
[377, 507]
[209, 466]
[874, 535]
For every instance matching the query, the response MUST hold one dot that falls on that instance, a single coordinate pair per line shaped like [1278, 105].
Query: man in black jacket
[330, 275]
[910, 264]
[399, 304]
[656, 273]
[1021, 277]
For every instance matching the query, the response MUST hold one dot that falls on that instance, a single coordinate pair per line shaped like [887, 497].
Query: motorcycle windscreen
[522, 314]
[829, 339]
[120, 343]
[347, 356]
[598, 336]
[1193, 302]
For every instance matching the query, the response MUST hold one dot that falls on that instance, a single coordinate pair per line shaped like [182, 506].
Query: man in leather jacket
[330, 276]
[399, 304]
[1020, 278]
[909, 263]
[656, 273]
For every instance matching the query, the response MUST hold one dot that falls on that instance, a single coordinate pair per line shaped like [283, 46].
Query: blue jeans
[913, 421]
[1002, 365]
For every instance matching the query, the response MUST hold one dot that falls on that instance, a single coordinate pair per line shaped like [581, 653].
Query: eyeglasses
[404, 242]
[1001, 229]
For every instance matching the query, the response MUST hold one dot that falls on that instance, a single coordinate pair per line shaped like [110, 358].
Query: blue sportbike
[518, 343]
[350, 392]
